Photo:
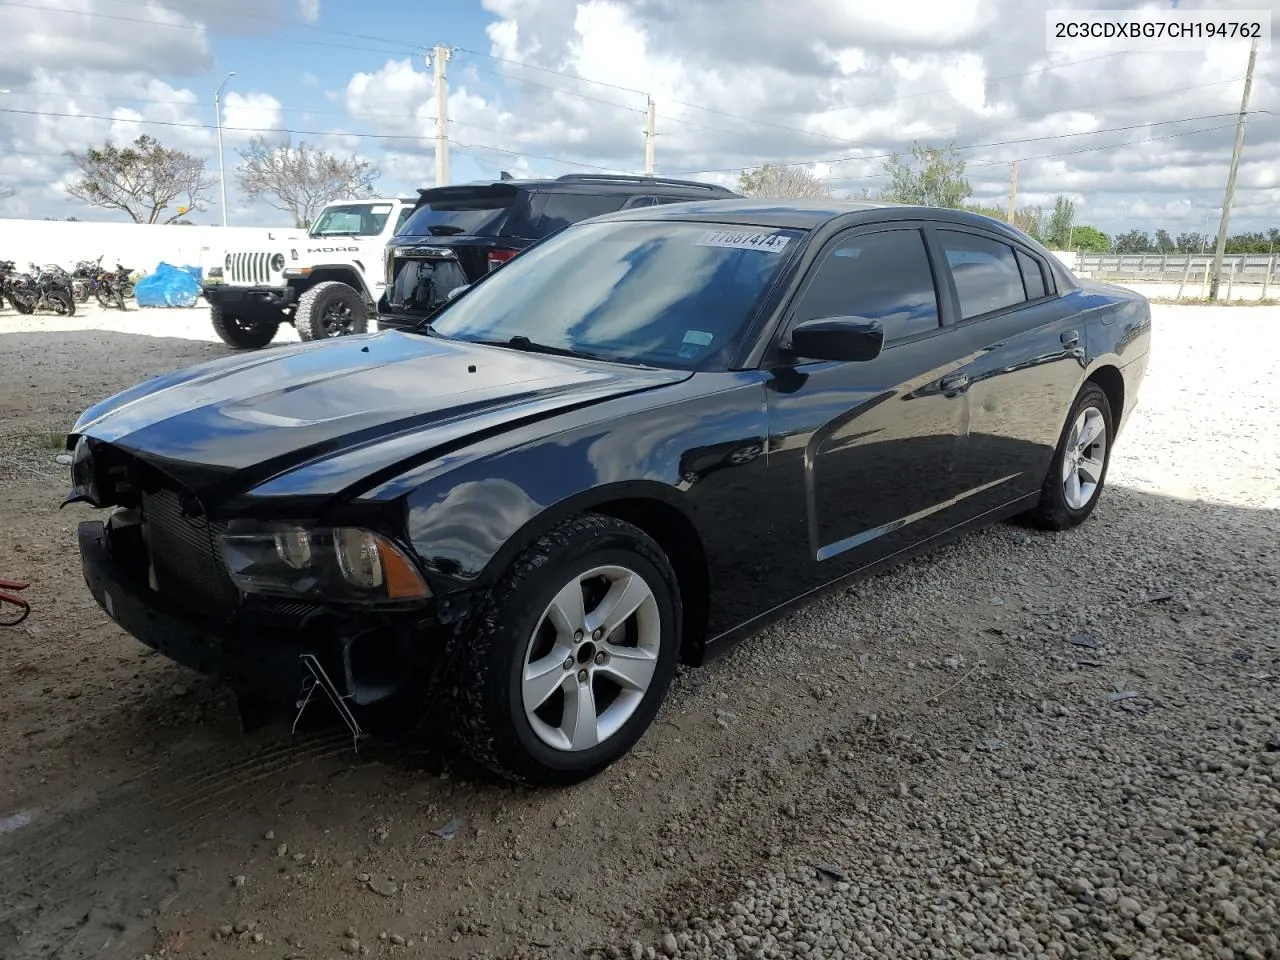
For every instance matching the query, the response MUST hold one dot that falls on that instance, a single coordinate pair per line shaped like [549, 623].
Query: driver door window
[883, 276]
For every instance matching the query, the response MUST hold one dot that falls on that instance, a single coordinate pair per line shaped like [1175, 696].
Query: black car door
[1026, 350]
[863, 455]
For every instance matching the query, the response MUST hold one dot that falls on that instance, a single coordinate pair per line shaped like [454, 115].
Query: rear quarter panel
[1118, 326]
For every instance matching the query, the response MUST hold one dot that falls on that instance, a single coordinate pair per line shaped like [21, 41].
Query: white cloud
[247, 115]
[310, 10]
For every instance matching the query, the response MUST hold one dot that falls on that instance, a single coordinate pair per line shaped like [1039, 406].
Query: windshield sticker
[688, 351]
[381, 208]
[699, 337]
[738, 240]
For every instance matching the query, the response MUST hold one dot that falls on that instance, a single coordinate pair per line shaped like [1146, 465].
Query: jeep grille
[250, 268]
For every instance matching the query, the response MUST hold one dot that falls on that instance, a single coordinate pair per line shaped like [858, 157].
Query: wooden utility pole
[1221, 246]
[649, 134]
[439, 58]
[1013, 191]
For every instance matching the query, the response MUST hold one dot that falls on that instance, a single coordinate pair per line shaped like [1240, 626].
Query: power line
[971, 146]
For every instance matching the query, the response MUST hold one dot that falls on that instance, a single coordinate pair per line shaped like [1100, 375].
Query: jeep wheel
[330, 309]
[242, 332]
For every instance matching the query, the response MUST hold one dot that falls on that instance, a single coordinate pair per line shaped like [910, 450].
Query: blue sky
[546, 87]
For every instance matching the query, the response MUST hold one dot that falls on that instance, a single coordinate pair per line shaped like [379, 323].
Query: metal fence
[1190, 271]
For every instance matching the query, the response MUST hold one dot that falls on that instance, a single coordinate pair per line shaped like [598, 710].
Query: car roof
[808, 214]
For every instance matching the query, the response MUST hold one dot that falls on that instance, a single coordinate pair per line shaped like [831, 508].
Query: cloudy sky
[1139, 139]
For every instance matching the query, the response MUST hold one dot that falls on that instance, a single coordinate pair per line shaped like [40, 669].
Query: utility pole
[222, 170]
[649, 134]
[1231, 177]
[439, 57]
[1013, 191]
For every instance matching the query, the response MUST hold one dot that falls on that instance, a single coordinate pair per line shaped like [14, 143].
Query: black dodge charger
[640, 440]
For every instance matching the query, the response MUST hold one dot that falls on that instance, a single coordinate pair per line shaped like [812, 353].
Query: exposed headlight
[277, 262]
[319, 563]
[84, 482]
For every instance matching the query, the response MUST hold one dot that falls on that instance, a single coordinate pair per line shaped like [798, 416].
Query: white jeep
[326, 281]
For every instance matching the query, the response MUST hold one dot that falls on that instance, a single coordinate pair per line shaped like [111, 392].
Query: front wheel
[1079, 468]
[330, 309]
[80, 290]
[573, 655]
[61, 303]
[240, 332]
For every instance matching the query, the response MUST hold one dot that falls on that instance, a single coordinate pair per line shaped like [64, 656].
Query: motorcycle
[113, 287]
[7, 274]
[43, 288]
[83, 277]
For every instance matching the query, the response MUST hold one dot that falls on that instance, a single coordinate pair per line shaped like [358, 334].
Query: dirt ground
[957, 758]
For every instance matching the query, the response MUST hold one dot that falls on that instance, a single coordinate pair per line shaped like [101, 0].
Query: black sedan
[644, 438]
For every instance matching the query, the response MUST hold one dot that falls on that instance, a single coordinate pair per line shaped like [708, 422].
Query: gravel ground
[1021, 744]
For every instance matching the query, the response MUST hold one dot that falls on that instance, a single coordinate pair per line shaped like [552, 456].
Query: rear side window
[562, 209]
[1032, 276]
[986, 273]
[883, 276]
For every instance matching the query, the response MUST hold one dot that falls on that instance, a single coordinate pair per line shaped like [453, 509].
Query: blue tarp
[169, 286]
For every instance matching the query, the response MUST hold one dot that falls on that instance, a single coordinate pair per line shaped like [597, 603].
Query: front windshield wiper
[521, 342]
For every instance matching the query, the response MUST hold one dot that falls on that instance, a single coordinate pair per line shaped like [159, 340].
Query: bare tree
[301, 180]
[142, 179]
[777, 180]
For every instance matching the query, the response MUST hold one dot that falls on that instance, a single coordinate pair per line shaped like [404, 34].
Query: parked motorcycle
[113, 287]
[7, 272]
[83, 277]
[43, 288]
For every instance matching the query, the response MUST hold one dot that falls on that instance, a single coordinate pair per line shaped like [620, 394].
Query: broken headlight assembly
[336, 564]
[84, 475]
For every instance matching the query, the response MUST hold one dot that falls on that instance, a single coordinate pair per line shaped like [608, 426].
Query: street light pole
[222, 172]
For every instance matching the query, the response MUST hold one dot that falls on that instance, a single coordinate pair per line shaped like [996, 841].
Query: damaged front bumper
[263, 649]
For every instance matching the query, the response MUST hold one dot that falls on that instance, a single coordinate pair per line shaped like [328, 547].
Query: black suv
[457, 234]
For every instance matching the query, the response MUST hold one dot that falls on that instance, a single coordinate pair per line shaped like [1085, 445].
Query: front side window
[352, 220]
[883, 276]
[663, 294]
[986, 273]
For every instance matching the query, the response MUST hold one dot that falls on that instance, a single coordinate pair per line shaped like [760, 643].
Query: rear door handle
[957, 381]
[1070, 338]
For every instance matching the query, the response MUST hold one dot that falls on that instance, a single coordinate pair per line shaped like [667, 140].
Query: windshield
[352, 219]
[658, 293]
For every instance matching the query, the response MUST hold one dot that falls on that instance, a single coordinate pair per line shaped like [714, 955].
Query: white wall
[137, 246]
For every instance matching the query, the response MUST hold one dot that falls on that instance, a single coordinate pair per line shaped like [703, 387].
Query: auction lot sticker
[743, 240]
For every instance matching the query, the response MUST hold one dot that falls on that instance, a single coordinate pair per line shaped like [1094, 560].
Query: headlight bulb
[294, 548]
[358, 557]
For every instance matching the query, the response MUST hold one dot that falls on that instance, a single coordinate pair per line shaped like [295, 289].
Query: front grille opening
[186, 561]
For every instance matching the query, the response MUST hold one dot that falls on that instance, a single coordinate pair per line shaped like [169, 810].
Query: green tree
[1057, 233]
[1030, 220]
[1089, 239]
[938, 181]
[780, 180]
[142, 179]
[1135, 241]
[1164, 242]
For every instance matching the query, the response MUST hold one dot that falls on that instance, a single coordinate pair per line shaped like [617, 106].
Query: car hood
[224, 427]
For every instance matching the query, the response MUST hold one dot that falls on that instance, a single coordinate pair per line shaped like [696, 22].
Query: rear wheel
[61, 303]
[573, 655]
[240, 332]
[330, 309]
[1079, 469]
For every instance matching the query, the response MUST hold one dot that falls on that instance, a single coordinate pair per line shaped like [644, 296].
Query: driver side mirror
[837, 338]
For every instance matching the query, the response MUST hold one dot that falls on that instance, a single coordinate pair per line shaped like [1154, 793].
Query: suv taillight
[500, 256]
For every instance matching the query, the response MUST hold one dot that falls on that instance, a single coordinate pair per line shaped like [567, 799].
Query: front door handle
[957, 381]
[1070, 338]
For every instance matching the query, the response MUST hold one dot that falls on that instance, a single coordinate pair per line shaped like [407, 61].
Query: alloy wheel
[1084, 458]
[591, 658]
[336, 319]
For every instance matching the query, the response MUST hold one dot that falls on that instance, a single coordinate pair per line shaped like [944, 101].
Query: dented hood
[224, 427]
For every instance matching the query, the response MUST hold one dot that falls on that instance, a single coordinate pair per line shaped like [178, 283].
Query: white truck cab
[326, 281]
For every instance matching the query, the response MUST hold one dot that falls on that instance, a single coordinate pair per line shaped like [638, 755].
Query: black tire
[486, 678]
[1053, 512]
[80, 290]
[241, 333]
[23, 304]
[330, 309]
[104, 296]
[61, 302]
